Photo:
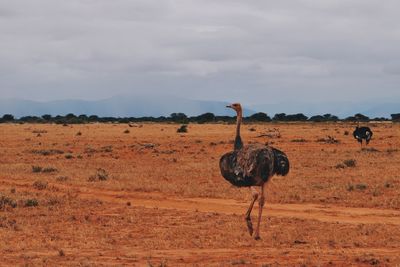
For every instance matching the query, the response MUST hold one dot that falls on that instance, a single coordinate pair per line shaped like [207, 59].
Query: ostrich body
[252, 165]
[362, 133]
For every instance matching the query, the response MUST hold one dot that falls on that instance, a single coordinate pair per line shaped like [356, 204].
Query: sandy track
[323, 213]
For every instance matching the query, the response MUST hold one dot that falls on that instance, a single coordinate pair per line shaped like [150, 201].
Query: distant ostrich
[361, 133]
[252, 165]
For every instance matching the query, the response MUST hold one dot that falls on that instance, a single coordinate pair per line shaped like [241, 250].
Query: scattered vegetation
[40, 185]
[328, 140]
[100, 175]
[300, 140]
[351, 187]
[31, 203]
[346, 163]
[38, 169]
[7, 201]
[369, 149]
[62, 178]
[39, 131]
[49, 169]
[391, 150]
[47, 152]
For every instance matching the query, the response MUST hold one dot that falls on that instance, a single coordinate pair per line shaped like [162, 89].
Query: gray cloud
[253, 51]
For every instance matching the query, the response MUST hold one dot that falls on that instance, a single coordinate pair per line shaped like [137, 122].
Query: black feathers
[363, 133]
[281, 163]
[253, 165]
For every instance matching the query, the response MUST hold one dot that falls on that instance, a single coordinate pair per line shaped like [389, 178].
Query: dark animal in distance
[250, 166]
[363, 133]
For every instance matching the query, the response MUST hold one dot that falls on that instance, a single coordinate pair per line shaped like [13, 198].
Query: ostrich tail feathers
[281, 166]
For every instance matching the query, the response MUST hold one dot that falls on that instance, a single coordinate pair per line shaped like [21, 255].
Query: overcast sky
[250, 51]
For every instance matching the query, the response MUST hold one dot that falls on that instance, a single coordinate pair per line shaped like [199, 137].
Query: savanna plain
[146, 195]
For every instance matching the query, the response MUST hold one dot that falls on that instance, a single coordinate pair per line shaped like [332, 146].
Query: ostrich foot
[249, 226]
[257, 237]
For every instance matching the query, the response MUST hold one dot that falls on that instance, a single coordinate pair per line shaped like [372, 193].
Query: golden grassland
[143, 194]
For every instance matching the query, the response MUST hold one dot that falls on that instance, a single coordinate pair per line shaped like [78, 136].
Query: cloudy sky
[254, 51]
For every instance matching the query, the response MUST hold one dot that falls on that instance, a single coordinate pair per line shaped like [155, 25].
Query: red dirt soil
[164, 203]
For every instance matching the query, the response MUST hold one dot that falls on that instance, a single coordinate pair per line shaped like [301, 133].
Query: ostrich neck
[238, 140]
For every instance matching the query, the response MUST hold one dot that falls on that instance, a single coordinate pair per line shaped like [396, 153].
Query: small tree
[8, 118]
[260, 116]
[47, 117]
[395, 117]
[70, 116]
[325, 117]
[179, 117]
[206, 117]
[296, 117]
[361, 117]
[330, 117]
[93, 118]
[279, 117]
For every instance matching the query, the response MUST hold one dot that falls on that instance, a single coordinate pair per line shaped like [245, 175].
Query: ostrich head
[235, 106]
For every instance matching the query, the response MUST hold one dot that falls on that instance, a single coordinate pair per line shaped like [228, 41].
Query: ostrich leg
[248, 218]
[260, 208]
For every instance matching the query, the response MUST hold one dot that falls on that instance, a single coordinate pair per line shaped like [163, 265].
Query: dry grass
[60, 217]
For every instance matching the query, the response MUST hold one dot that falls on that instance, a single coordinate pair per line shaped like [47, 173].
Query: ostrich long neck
[238, 140]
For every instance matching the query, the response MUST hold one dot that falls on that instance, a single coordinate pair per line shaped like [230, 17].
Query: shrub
[350, 187]
[182, 129]
[328, 140]
[39, 185]
[349, 162]
[31, 203]
[6, 201]
[36, 169]
[361, 186]
[62, 178]
[369, 149]
[47, 152]
[49, 169]
[300, 140]
[101, 175]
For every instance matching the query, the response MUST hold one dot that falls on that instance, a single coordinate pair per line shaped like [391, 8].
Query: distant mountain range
[139, 106]
[118, 106]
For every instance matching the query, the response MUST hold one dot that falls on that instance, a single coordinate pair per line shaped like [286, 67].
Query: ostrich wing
[249, 166]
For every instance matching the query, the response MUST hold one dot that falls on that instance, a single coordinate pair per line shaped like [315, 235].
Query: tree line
[183, 118]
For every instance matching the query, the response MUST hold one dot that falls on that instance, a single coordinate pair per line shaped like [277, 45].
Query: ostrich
[361, 133]
[250, 166]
